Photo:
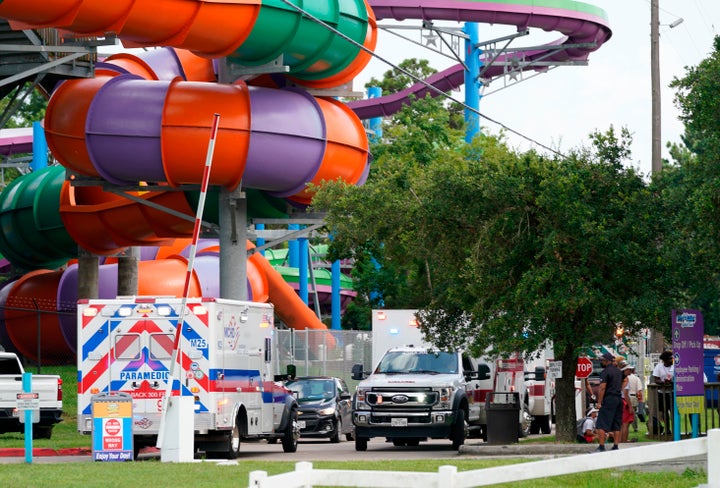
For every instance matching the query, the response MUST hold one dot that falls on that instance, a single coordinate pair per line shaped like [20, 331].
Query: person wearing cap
[628, 414]
[637, 397]
[609, 403]
[586, 432]
[663, 375]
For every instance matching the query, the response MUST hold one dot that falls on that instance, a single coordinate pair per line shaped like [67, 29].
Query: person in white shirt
[663, 375]
[586, 432]
[637, 399]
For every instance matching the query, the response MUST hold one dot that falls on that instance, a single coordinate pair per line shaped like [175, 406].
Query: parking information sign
[112, 427]
[555, 370]
[687, 342]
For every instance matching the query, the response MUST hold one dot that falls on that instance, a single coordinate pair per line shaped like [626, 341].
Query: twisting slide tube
[146, 121]
[44, 301]
[126, 130]
[248, 32]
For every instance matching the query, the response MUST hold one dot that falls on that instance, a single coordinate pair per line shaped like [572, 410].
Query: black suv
[325, 407]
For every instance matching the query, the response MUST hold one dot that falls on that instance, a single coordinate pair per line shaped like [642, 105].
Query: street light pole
[655, 85]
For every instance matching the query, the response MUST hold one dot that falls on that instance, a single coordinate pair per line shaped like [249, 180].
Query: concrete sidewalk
[553, 450]
[536, 448]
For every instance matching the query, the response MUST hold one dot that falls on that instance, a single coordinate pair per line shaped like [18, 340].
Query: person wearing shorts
[610, 404]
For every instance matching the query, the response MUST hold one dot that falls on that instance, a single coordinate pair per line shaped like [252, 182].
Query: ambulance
[225, 362]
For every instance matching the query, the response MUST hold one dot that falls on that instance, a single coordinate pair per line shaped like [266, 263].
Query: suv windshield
[433, 362]
[312, 389]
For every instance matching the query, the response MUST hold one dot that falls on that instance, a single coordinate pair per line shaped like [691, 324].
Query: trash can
[503, 417]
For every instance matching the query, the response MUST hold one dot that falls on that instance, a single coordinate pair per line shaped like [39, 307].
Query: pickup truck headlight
[445, 397]
[360, 399]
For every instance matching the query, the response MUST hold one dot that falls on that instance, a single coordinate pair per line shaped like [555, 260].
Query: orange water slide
[39, 308]
[129, 129]
[247, 32]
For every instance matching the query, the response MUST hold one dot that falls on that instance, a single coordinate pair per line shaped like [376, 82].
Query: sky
[560, 108]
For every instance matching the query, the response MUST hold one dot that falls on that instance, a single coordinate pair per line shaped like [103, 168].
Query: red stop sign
[584, 368]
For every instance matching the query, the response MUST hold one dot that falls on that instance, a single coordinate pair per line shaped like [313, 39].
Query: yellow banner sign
[690, 404]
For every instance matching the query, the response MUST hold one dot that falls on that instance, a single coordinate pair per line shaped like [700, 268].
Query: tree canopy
[511, 251]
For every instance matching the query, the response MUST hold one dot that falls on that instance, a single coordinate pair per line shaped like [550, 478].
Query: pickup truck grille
[401, 398]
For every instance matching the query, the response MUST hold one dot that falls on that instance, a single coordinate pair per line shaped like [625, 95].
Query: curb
[45, 451]
[536, 449]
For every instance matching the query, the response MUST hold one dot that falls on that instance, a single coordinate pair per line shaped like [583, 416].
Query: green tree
[514, 251]
[691, 190]
[385, 267]
[26, 111]
[409, 72]
[395, 80]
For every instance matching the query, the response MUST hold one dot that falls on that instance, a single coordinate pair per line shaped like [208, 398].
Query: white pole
[177, 448]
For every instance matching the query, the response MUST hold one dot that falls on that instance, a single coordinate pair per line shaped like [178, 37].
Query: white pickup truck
[48, 388]
[416, 393]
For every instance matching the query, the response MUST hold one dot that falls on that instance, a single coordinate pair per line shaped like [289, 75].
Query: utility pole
[655, 85]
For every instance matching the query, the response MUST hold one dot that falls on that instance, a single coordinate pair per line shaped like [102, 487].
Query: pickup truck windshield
[410, 362]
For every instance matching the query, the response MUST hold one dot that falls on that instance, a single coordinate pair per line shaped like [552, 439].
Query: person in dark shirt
[609, 402]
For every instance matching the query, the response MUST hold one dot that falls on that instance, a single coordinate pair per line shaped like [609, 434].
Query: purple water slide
[164, 62]
[123, 129]
[16, 141]
[287, 141]
[125, 122]
[580, 24]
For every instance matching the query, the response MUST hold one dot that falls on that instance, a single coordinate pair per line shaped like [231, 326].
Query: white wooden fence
[305, 476]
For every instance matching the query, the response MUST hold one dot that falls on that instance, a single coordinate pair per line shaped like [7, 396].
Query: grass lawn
[209, 474]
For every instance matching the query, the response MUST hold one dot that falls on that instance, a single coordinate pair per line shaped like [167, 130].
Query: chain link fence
[323, 352]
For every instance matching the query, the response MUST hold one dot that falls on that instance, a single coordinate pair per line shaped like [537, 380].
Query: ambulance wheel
[292, 433]
[525, 421]
[545, 424]
[233, 442]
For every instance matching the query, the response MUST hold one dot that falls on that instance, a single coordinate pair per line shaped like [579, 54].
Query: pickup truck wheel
[458, 431]
[336, 437]
[361, 443]
[292, 434]
[41, 432]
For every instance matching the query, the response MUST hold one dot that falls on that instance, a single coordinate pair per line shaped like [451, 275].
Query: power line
[418, 80]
